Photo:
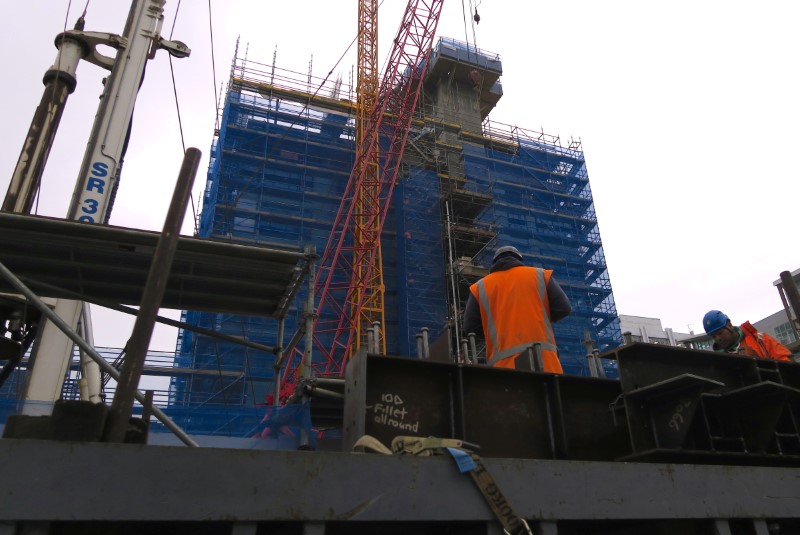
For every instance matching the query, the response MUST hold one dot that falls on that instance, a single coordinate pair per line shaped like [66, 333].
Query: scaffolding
[505, 185]
[281, 160]
[277, 171]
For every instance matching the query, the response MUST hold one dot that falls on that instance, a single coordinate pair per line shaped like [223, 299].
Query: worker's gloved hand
[747, 351]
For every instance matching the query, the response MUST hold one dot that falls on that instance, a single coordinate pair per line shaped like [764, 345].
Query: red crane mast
[348, 266]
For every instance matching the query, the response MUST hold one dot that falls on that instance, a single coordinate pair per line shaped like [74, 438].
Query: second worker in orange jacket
[743, 340]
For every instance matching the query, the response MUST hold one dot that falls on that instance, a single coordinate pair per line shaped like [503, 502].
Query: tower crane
[368, 272]
[350, 277]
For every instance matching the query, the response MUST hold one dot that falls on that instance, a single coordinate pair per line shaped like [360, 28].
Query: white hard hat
[507, 249]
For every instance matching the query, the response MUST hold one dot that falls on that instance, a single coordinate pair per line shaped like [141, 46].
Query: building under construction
[279, 165]
[687, 441]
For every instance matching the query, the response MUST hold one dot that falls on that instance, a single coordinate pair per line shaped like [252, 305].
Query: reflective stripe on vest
[492, 328]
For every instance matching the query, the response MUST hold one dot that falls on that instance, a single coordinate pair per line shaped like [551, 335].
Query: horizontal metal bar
[248, 485]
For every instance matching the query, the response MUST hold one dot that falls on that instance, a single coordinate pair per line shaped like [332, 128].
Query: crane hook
[476, 18]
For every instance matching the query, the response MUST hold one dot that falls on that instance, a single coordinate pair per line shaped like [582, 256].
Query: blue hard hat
[714, 320]
[507, 249]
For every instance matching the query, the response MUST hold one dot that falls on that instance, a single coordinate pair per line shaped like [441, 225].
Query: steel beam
[158, 483]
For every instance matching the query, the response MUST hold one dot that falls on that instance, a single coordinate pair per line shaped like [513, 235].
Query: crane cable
[79, 25]
[175, 93]
[58, 57]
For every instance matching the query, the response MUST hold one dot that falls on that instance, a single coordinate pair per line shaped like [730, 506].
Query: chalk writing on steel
[392, 412]
[677, 419]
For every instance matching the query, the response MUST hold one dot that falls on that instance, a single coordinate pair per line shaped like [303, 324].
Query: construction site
[279, 167]
[323, 381]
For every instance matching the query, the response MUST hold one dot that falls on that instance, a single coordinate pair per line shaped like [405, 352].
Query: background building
[649, 330]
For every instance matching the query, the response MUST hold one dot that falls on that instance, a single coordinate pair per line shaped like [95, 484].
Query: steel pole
[59, 83]
[792, 294]
[160, 319]
[276, 368]
[122, 405]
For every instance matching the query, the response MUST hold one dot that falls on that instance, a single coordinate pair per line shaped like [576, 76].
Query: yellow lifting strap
[467, 461]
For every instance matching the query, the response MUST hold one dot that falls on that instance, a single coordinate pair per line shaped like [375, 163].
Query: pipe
[91, 382]
[161, 319]
[310, 315]
[537, 356]
[792, 294]
[156, 285]
[376, 337]
[289, 349]
[276, 376]
[598, 362]
[59, 83]
[451, 273]
[590, 362]
[329, 381]
[328, 393]
[587, 342]
[473, 348]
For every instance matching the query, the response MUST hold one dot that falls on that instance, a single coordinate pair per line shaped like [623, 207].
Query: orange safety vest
[762, 345]
[515, 314]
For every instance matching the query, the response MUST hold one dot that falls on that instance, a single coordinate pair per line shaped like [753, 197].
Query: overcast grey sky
[687, 110]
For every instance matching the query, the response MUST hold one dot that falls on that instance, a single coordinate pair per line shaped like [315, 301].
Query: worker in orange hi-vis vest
[743, 340]
[513, 309]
